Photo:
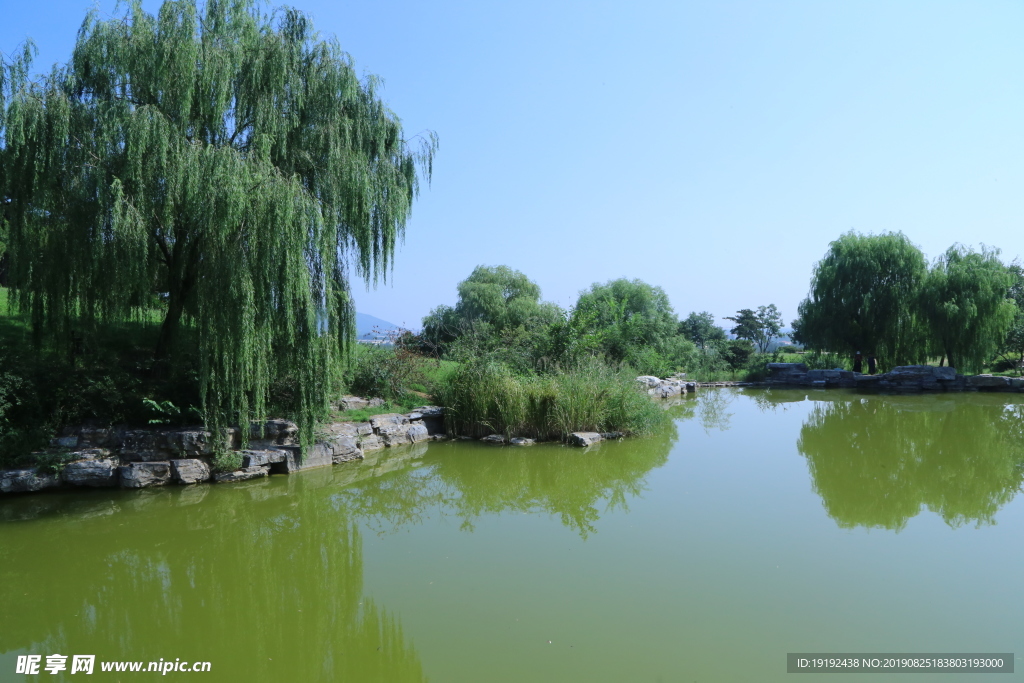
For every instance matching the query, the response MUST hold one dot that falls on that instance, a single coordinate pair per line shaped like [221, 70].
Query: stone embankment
[902, 379]
[141, 458]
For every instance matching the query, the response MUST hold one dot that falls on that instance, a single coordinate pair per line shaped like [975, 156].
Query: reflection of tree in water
[470, 480]
[711, 409]
[768, 400]
[876, 461]
[266, 586]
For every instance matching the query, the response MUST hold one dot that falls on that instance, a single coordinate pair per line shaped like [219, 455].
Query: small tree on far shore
[760, 326]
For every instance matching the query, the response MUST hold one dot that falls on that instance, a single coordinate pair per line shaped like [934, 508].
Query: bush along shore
[88, 456]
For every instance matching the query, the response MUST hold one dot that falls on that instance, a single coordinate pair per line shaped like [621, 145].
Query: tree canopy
[863, 299]
[965, 301]
[700, 328]
[492, 300]
[1012, 347]
[760, 326]
[226, 167]
[629, 313]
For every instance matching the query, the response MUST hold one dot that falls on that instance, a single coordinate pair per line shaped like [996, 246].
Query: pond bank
[123, 457]
[94, 457]
[904, 378]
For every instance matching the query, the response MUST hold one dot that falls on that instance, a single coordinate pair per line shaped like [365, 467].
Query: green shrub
[1004, 365]
[381, 371]
[824, 360]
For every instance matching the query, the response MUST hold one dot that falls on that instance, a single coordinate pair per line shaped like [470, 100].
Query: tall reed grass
[487, 398]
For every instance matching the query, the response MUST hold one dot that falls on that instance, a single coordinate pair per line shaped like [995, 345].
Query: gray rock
[988, 382]
[584, 438]
[418, 432]
[494, 438]
[429, 411]
[345, 449]
[353, 429]
[352, 403]
[280, 432]
[787, 373]
[662, 388]
[387, 419]
[92, 470]
[140, 475]
[319, 454]
[26, 480]
[394, 434]
[243, 474]
[190, 442]
[522, 441]
[370, 442]
[64, 442]
[260, 458]
[190, 471]
[96, 436]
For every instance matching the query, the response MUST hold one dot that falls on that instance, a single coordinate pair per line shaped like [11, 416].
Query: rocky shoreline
[141, 458]
[98, 457]
[901, 379]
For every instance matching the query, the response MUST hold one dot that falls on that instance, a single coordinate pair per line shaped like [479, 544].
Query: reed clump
[483, 398]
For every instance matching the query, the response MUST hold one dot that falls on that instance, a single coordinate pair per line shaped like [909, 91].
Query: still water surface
[762, 523]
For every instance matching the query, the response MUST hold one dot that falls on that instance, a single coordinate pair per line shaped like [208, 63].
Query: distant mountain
[369, 327]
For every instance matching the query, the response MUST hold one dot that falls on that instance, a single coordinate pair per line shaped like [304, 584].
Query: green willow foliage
[965, 301]
[226, 165]
[863, 296]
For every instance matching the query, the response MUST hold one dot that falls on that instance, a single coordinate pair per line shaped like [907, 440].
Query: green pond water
[762, 523]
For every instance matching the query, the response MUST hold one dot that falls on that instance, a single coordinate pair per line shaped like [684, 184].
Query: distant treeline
[499, 316]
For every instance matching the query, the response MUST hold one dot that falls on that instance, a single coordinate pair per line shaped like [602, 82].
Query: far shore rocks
[901, 379]
[666, 388]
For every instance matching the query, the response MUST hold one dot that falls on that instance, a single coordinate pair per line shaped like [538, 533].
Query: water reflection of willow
[876, 461]
[265, 585]
[469, 480]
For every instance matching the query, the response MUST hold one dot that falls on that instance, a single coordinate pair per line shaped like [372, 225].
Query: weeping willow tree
[965, 299]
[863, 299]
[223, 165]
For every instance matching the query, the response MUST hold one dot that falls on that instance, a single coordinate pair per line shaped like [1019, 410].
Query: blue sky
[711, 148]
